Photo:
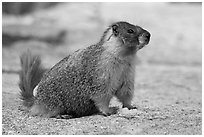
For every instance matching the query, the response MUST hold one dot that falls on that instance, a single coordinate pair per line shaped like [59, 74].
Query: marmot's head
[131, 36]
[124, 38]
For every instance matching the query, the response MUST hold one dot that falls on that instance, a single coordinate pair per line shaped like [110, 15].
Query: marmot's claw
[63, 116]
[130, 107]
[112, 110]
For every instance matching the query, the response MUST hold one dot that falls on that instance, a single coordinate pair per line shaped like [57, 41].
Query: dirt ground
[168, 87]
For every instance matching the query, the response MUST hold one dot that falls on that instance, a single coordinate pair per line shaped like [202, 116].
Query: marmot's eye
[130, 31]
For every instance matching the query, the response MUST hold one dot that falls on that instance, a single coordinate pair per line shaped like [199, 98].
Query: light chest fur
[116, 70]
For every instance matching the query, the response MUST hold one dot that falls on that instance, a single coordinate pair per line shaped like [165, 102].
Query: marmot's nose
[146, 34]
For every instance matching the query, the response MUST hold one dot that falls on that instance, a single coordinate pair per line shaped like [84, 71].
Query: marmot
[84, 82]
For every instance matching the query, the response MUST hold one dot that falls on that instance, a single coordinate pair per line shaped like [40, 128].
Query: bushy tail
[30, 75]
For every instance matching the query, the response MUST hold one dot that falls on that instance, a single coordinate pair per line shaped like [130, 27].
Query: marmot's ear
[115, 29]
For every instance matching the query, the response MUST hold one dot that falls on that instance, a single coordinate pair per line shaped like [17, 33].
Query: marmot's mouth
[142, 43]
[141, 46]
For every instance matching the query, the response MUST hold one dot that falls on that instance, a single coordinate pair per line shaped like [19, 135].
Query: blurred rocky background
[168, 79]
[48, 29]
[56, 29]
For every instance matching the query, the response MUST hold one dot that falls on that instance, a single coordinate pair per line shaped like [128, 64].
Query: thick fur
[84, 82]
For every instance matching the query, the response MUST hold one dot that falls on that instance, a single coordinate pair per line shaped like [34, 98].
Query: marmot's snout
[146, 36]
[144, 39]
